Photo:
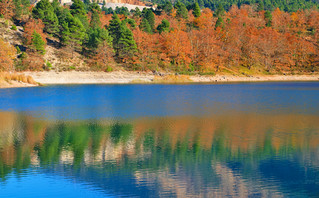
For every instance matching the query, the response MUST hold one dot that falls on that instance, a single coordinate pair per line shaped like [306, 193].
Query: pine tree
[72, 31]
[268, 18]
[38, 44]
[219, 22]
[150, 17]
[45, 12]
[126, 46]
[163, 27]
[196, 11]
[181, 10]
[145, 26]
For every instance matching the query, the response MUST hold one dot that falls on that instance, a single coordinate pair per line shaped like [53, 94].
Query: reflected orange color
[241, 131]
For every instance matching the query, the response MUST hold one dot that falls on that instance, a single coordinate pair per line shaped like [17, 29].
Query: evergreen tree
[181, 10]
[167, 7]
[95, 16]
[72, 32]
[164, 26]
[196, 11]
[126, 46]
[97, 36]
[145, 26]
[123, 41]
[150, 17]
[37, 43]
[45, 12]
[77, 8]
[220, 11]
[219, 22]
[268, 18]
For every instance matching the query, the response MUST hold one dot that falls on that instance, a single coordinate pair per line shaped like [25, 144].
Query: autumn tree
[7, 56]
[7, 8]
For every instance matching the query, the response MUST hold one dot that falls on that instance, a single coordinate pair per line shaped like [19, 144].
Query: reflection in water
[238, 155]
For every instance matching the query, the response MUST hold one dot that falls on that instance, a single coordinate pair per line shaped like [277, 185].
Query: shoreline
[125, 77]
[130, 77]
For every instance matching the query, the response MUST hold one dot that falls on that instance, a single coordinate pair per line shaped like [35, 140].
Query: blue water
[129, 101]
[198, 140]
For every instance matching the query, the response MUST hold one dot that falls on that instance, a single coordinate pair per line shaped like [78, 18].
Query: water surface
[237, 140]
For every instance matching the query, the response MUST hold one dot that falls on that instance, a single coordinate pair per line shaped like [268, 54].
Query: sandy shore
[124, 77]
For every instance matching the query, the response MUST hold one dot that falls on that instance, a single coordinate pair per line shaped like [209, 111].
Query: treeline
[173, 38]
[270, 5]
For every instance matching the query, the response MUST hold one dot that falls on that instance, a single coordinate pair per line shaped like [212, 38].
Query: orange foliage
[33, 25]
[7, 56]
[6, 8]
[177, 46]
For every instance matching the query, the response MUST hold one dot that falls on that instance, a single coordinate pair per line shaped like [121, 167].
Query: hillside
[171, 39]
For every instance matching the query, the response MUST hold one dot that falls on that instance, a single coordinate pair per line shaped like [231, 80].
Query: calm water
[235, 140]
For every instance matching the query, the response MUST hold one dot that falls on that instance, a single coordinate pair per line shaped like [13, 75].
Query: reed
[8, 77]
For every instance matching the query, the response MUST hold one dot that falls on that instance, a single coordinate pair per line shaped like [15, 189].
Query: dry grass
[7, 78]
[172, 79]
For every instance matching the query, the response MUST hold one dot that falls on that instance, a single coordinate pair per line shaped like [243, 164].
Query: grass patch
[172, 79]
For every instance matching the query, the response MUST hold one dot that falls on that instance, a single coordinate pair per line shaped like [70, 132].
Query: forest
[231, 37]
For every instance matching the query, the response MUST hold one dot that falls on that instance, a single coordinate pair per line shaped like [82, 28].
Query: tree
[37, 43]
[97, 36]
[21, 8]
[7, 56]
[72, 32]
[150, 17]
[7, 8]
[123, 40]
[219, 22]
[164, 26]
[145, 26]
[268, 18]
[33, 25]
[220, 11]
[45, 12]
[181, 10]
[196, 11]
[125, 47]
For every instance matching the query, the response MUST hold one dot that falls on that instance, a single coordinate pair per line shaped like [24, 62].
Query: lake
[197, 140]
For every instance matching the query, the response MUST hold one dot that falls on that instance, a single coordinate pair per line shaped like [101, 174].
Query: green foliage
[164, 26]
[288, 6]
[96, 36]
[77, 8]
[18, 50]
[38, 43]
[21, 8]
[137, 12]
[167, 7]
[44, 11]
[220, 11]
[72, 31]
[48, 65]
[181, 10]
[196, 11]
[145, 26]
[14, 27]
[131, 22]
[219, 22]
[150, 17]
[268, 18]
[125, 46]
